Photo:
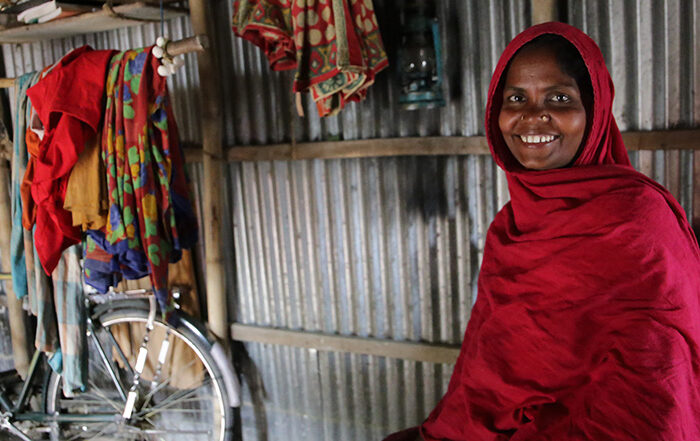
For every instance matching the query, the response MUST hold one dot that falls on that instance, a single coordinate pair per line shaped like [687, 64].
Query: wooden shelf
[88, 23]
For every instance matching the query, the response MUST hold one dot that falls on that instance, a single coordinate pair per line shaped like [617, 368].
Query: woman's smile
[535, 141]
[542, 117]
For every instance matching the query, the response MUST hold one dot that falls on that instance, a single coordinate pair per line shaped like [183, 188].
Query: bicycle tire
[200, 412]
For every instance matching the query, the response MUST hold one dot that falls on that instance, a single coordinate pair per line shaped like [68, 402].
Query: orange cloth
[86, 194]
[28, 208]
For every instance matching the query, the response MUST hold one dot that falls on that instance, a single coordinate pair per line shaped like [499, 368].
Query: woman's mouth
[537, 140]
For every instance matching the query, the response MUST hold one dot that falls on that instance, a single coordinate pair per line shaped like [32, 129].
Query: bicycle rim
[184, 400]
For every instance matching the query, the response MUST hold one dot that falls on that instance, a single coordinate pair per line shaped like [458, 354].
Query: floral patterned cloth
[335, 45]
[149, 210]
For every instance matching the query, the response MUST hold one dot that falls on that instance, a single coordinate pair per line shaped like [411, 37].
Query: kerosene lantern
[419, 56]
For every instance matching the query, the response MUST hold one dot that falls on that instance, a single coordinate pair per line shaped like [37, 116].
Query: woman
[587, 322]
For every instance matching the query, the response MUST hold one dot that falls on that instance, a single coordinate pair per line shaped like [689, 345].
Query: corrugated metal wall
[652, 49]
[387, 247]
[383, 248]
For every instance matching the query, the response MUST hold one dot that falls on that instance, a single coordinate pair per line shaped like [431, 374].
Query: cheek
[506, 121]
[576, 124]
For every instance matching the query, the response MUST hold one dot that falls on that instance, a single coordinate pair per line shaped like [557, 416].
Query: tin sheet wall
[652, 49]
[387, 247]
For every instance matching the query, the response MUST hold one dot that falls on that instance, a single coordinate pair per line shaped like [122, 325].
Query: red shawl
[587, 322]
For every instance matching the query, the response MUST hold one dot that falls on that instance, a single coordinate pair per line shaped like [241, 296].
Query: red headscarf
[587, 321]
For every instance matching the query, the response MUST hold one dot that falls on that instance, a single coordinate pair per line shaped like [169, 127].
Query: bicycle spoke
[178, 401]
[179, 396]
[104, 397]
[167, 380]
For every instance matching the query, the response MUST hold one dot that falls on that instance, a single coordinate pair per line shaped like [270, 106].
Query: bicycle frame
[11, 412]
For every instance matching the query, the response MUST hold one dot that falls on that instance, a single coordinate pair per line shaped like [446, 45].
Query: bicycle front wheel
[181, 394]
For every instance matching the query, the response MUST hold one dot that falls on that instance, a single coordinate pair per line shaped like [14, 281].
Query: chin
[534, 164]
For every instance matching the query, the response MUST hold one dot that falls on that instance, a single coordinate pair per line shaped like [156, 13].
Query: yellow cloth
[86, 194]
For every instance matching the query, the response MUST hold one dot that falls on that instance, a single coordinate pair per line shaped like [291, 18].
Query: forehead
[537, 65]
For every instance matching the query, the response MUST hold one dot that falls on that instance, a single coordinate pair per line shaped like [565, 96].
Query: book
[68, 5]
[38, 11]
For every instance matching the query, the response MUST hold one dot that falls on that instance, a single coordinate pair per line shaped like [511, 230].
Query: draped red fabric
[587, 320]
[68, 101]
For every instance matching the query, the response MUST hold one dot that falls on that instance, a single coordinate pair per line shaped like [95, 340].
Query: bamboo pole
[14, 305]
[543, 11]
[197, 43]
[213, 173]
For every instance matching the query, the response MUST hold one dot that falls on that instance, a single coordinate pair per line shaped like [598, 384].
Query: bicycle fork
[7, 425]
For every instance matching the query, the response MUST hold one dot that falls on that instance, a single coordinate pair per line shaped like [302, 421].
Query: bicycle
[130, 395]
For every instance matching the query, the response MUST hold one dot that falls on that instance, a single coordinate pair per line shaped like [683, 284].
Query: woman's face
[542, 118]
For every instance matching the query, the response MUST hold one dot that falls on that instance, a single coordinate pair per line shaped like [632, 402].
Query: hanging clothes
[150, 217]
[71, 317]
[28, 279]
[20, 159]
[68, 101]
[41, 301]
[105, 264]
[86, 193]
[335, 45]
[55, 308]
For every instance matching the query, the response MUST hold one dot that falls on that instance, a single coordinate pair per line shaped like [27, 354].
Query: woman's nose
[535, 113]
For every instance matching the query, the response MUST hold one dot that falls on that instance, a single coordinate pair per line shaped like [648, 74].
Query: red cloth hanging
[335, 45]
[587, 320]
[68, 101]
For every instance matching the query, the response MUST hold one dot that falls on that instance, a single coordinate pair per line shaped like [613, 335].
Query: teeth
[536, 139]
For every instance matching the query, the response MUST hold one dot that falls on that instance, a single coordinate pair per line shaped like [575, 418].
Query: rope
[162, 19]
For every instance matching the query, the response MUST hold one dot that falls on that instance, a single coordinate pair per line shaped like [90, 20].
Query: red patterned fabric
[587, 320]
[335, 45]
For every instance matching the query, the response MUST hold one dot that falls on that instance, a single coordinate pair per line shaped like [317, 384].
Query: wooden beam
[425, 146]
[212, 127]
[432, 353]
[663, 140]
[542, 11]
[130, 14]
[18, 336]
[363, 148]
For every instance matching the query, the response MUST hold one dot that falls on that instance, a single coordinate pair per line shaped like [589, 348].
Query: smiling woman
[543, 118]
[585, 323]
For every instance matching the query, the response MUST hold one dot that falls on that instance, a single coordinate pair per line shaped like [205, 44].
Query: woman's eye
[561, 98]
[515, 99]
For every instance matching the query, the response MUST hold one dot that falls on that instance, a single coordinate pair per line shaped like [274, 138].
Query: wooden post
[14, 306]
[212, 149]
[543, 11]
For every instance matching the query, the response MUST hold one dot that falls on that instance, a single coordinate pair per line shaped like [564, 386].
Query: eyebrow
[555, 86]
